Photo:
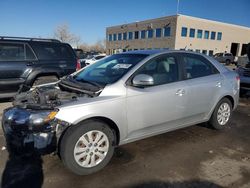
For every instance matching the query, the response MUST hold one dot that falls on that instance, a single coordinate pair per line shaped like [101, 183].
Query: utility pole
[177, 9]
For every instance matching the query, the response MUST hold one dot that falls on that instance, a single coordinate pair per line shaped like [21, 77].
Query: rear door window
[12, 52]
[29, 53]
[48, 51]
[196, 66]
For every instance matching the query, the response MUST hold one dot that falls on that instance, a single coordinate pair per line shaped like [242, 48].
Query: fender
[44, 71]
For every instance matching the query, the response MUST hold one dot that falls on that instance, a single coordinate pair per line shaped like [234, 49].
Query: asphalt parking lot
[195, 156]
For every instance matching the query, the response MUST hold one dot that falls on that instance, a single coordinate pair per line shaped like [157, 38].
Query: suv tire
[222, 114]
[44, 80]
[87, 147]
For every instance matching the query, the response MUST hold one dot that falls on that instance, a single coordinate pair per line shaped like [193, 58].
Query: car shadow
[184, 184]
[24, 168]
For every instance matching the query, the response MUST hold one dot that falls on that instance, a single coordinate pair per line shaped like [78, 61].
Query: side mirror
[142, 80]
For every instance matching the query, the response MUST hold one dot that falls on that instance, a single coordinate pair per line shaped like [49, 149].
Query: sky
[89, 18]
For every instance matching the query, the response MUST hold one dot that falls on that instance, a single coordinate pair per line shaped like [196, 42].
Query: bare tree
[99, 46]
[62, 33]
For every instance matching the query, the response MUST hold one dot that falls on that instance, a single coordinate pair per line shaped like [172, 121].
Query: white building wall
[230, 34]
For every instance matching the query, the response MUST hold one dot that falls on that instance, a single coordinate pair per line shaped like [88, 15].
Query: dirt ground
[192, 157]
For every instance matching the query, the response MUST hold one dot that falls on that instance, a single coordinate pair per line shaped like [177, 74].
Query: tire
[217, 123]
[44, 80]
[74, 153]
[228, 62]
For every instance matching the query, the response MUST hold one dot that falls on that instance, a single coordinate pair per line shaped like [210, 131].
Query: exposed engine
[46, 97]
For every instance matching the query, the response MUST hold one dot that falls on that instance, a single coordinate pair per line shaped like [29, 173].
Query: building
[178, 32]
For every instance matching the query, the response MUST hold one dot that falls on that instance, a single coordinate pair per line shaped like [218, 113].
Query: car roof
[32, 41]
[155, 52]
[145, 52]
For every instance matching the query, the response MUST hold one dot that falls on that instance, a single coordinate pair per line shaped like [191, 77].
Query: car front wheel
[87, 148]
[222, 114]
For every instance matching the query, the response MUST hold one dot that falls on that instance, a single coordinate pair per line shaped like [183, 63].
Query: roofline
[148, 20]
[182, 15]
[215, 22]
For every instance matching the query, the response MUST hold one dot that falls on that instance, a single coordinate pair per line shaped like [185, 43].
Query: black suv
[33, 61]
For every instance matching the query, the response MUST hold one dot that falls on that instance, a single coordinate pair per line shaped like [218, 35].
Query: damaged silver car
[122, 98]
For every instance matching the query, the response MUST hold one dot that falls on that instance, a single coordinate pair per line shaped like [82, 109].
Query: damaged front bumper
[29, 129]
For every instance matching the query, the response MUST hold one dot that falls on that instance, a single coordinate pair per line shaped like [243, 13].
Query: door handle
[218, 84]
[30, 63]
[180, 92]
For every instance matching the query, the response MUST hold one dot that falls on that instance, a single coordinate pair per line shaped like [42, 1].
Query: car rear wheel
[228, 62]
[44, 80]
[88, 147]
[222, 114]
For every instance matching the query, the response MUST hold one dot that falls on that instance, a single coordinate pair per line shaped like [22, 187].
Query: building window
[199, 33]
[124, 36]
[130, 35]
[136, 34]
[150, 33]
[206, 36]
[114, 37]
[143, 34]
[158, 32]
[192, 33]
[119, 36]
[204, 52]
[167, 31]
[110, 37]
[198, 51]
[212, 35]
[219, 35]
[183, 31]
[210, 52]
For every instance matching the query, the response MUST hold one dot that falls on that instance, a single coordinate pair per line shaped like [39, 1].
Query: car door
[204, 84]
[158, 107]
[14, 65]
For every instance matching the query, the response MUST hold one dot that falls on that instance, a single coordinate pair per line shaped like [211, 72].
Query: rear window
[16, 52]
[53, 51]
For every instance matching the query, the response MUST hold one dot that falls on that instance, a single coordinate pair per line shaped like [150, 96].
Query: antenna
[177, 8]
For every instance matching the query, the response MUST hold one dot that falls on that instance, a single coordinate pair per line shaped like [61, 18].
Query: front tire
[88, 147]
[221, 115]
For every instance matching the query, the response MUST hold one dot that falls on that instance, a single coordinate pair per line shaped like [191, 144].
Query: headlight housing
[24, 121]
[42, 117]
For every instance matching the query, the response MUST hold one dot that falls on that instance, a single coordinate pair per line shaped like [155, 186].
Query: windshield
[110, 69]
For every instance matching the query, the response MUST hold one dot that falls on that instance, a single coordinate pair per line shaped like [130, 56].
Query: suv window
[163, 69]
[53, 51]
[11, 52]
[29, 53]
[196, 66]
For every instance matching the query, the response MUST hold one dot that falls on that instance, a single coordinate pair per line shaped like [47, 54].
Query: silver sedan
[130, 96]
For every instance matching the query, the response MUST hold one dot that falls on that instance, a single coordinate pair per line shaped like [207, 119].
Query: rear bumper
[245, 83]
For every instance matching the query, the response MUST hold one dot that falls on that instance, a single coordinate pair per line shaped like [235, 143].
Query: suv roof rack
[27, 38]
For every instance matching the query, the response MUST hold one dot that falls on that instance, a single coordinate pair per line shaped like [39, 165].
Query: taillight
[238, 81]
[78, 64]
